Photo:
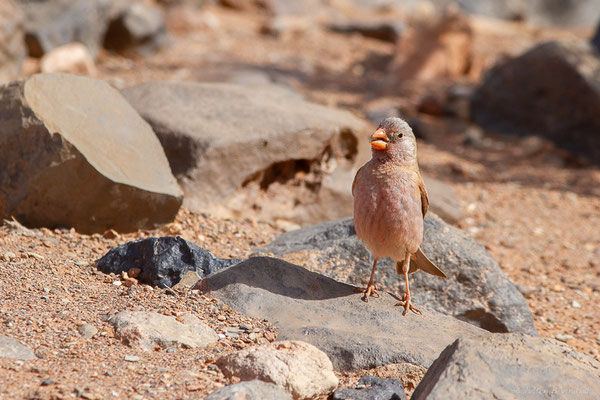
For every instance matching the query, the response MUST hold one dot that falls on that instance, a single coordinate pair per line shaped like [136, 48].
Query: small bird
[390, 203]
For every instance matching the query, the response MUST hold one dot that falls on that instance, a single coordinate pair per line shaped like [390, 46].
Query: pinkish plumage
[390, 202]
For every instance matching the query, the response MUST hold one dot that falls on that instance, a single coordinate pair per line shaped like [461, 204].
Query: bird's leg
[406, 303]
[370, 290]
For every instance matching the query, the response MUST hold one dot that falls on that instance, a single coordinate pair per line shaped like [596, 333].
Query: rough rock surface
[523, 96]
[510, 366]
[476, 290]
[88, 161]
[150, 329]
[163, 261]
[373, 389]
[443, 200]
[10, 348]
[300, 368]
[223, 139]
[49, 24]
[12, 41]
[331, 315]
[139, 25]
[250, 390]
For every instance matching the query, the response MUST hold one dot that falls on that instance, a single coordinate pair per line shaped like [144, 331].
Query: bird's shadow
[278, 277]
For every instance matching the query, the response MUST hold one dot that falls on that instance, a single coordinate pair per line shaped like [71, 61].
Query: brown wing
[424, 198]
[354, 181]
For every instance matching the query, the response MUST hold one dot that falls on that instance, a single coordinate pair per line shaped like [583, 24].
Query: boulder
[140, 26]
[510, 366]
[435, 46]
[162, 262]
[522, 96]
[11, 348]
[53, 23]
[74, 153]
[150, 329]
[307, 306]
[476, 291]
[250, 390]
[12, 41]
[258, 150]
[372, 388]
[300, 368]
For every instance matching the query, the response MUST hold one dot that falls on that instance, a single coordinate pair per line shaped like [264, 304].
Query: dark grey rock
[476, 291]
[250, 390]
[222, 139]
[510, 366]
[10, 348]
[387, 31]
[375, 389]
[163, 261]
[331, 315]
[522, 96]
[88, 161]
[140, 26]
[12, 41]
[595, 40]
[53, 23]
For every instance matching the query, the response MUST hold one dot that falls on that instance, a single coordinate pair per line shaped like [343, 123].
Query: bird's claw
[406, 303]
[369, 291]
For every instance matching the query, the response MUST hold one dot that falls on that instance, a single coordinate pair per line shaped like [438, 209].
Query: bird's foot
[369, 291]
[407, 304]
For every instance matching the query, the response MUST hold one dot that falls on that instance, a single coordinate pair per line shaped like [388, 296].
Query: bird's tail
[420, 261]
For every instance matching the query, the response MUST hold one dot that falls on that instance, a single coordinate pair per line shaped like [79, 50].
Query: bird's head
[394, 140]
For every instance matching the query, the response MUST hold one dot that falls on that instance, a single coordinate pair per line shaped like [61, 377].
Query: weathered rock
[150, 329]
[86, 160]
[595, 40]
[373, 389]
[252, 150]
[300, 368]
[12, 41]
[331, 315]
[72, 58]
[250, 390]
[388, 31]
[87, 331]
[444, 201]
[10, 348]
[140, 25]
[476, 291]
[510, 366]
[53, 23]
[437, 46]
[163, 261]
[522, 96]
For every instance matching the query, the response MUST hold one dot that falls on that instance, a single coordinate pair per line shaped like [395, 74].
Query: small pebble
[35, 255]
[131, 358]
[221, 336]
[82, 263]
[87, 331]
[9, 255]
[233, 335]
[575, 304]
[117, 283]
[47, 382]
[563, 337]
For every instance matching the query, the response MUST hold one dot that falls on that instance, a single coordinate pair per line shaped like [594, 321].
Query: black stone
[163, 261]
[375, 389]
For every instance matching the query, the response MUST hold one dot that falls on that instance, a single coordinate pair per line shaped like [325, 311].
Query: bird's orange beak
[379, 140]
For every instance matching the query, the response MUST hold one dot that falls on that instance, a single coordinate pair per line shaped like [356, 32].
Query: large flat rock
[74, 153]
[510, 366]
[258, 149]
[331, 315]
[476, 290]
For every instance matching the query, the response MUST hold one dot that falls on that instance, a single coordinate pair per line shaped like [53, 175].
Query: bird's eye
[400, 135]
